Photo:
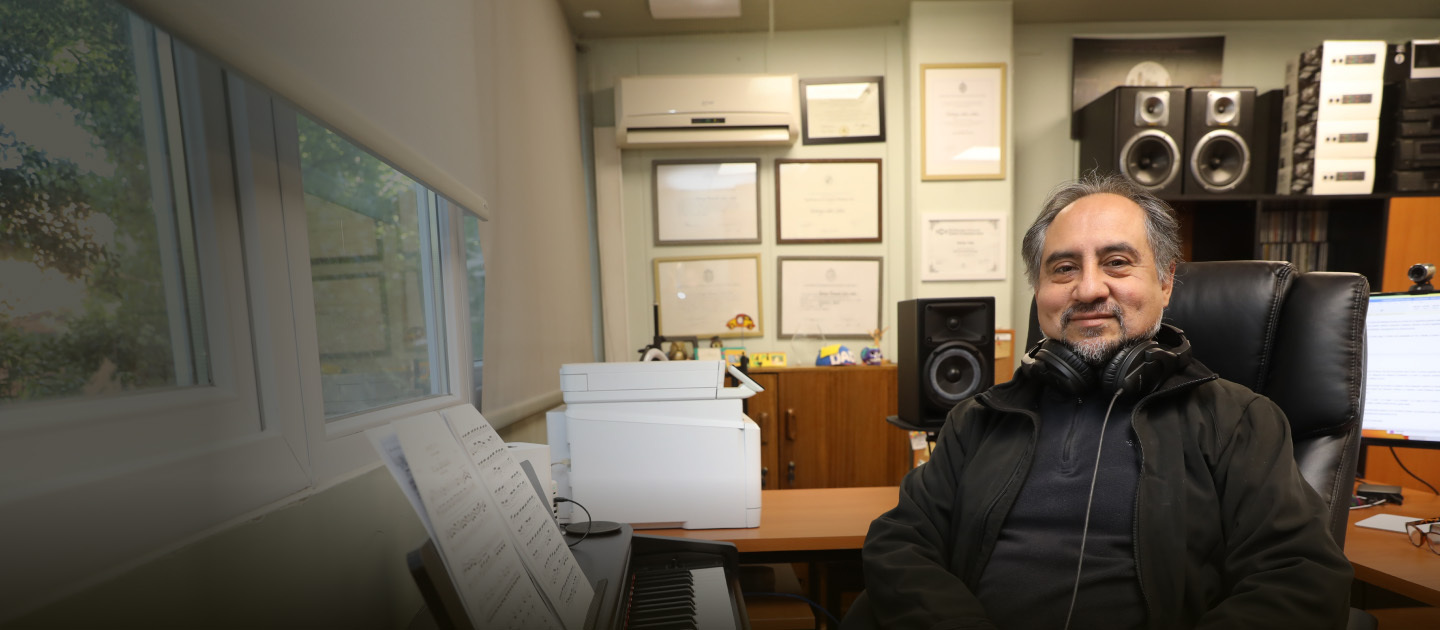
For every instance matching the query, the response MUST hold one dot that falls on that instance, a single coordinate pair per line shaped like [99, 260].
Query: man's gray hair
[1161, 227]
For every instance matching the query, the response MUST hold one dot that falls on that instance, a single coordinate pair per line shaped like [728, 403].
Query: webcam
[1421, 274]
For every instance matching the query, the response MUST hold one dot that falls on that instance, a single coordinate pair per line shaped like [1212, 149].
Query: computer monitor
[1402, 370]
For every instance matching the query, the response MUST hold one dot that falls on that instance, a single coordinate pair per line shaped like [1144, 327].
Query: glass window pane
[374, 261]
[99, 292]
[475, 280]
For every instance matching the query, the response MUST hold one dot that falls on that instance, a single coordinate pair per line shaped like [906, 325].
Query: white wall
[537, 249]
[486, 88]
[809, 54]
[938, 32]
[1255, 55]
[961, 32]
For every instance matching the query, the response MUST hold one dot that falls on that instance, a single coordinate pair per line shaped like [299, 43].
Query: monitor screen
[1402, 370]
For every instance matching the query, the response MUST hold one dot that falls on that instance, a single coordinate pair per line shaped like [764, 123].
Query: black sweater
[1030, 576]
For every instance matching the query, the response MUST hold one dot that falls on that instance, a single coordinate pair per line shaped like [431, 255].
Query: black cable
[1085, 531]
[1407, 470]
[589, 522]
[801, 598]
[1368, 505]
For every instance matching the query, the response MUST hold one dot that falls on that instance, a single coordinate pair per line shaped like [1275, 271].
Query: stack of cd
[1330, 119]
[1411, 156]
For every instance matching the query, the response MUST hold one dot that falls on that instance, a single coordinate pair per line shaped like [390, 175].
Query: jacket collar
[1022, 393]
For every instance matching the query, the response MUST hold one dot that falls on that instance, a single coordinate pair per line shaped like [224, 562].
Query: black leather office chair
[1298, 338]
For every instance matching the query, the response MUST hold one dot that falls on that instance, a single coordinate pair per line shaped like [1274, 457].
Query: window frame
[158, 467]
[151, 465]
[338, 447]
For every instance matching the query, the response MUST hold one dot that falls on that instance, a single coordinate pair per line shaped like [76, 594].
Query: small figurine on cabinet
[741, 321]
[873, 356]
[835, 354]
[678, 351]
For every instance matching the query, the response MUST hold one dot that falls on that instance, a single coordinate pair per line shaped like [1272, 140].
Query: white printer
[657, 444]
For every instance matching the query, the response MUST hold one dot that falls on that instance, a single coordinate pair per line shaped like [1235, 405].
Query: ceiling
[631, 18]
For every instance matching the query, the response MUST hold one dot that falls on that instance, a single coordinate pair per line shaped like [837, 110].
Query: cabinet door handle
[764, 419]
[764, 475]
[789, 424]
[790, 477]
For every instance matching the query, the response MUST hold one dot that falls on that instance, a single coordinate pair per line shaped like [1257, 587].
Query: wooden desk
[794, 522]
[808, 520]
[1387, 559]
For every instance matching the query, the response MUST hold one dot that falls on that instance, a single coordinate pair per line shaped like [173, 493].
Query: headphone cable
[1089, 500]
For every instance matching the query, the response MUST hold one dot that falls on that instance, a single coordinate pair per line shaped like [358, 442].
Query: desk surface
[804, 520]
[838, 518]
[1387, 559]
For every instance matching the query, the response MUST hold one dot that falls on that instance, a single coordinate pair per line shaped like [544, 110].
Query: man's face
[1098, 286]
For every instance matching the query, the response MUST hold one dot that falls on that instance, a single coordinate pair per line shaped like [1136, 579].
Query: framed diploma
[700, 202]
[832, 297]
[827, 201]
[708, 296]
[839, 111]
[962, 121]
[963, 246]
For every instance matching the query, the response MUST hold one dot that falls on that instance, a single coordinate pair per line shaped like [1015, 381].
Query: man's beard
[1093, 347]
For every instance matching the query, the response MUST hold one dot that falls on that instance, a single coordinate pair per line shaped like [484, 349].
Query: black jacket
[1227, 532]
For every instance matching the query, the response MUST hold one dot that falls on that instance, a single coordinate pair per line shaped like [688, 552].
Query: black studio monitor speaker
[946, 354]
[1138, 132]
[1220, 142]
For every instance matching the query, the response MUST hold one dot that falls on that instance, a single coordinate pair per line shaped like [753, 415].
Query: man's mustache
[1089, 308]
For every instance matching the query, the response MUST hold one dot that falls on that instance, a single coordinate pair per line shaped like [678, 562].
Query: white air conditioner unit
[706, 110]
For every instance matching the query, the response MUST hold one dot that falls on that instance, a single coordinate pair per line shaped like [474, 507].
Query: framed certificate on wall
[698, 202]
[827, 201]
[962, 121]
[844, 110]
[709, 296]
[836, 297]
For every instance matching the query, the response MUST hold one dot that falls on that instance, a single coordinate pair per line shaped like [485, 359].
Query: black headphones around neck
[1135, 370]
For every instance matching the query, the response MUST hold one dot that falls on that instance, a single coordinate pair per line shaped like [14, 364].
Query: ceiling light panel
[694, 9]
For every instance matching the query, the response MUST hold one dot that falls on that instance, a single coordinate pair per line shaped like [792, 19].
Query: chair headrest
[1230, 310]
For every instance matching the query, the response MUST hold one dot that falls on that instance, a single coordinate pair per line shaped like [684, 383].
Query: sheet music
[542, 547]
[471, 532]
[387, 443]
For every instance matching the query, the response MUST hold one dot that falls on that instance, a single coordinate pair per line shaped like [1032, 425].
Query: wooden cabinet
[761, 408]
[824, 427]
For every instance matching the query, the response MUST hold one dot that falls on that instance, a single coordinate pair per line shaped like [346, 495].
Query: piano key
[687, 603]
[678, 598]
[712, 600]
[664, 579]
[664, 592]
[678, 625]
[656, 617]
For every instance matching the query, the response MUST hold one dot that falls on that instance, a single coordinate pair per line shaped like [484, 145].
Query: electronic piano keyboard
[641, 582]
[647, 582]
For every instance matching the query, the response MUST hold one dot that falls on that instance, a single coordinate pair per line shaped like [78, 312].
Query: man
[1115, 482]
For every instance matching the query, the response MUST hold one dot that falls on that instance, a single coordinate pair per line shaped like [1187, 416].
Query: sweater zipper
[1022, 464]
[1135, 518]
[1067, 452]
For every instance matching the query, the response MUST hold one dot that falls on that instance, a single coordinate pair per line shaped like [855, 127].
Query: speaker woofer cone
[953, 373]
[1150, 159]
[1220, 161]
